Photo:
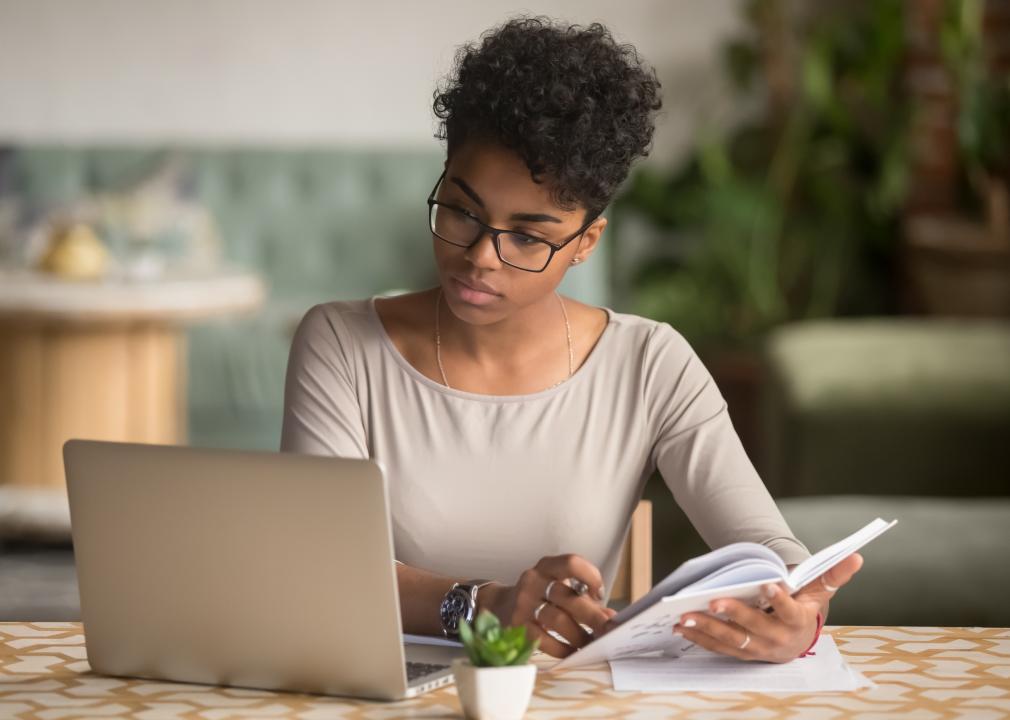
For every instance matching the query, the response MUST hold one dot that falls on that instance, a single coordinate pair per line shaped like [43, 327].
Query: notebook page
[742, 571]
[694, 570]
[818, 564]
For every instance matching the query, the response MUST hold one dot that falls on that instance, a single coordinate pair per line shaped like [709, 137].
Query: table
[919, 672]
[102, 360]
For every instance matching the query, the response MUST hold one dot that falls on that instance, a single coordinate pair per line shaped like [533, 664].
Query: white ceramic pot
[494, 693]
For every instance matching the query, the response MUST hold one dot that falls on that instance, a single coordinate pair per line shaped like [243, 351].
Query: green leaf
[465, 633]
[488, 644]
[486, 622]
[817, 79]
[524, 655]
[469, 643]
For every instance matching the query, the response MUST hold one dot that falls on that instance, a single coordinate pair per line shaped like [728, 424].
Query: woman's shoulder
[648, 337]
[337, 326]
[364, 323]
[336, 316]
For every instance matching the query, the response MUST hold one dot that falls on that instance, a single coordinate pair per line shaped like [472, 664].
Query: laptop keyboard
[419, 669]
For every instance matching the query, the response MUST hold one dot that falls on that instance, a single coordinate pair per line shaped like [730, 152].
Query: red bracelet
[817, 636]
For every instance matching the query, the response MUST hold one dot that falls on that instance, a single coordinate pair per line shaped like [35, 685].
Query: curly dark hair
[576, 106]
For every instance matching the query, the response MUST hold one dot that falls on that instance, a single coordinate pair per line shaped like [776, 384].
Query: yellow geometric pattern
[919, 673]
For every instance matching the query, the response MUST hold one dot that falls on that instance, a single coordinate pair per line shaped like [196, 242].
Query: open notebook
[735, 571]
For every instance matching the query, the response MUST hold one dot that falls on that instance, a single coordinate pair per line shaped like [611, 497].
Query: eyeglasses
[459, 227]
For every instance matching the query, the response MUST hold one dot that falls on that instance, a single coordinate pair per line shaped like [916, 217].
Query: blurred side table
[101, 360]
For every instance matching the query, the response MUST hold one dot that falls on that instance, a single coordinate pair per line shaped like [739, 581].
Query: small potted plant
[495, 681]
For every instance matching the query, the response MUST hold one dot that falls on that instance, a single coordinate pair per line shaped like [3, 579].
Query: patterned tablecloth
[919, 672]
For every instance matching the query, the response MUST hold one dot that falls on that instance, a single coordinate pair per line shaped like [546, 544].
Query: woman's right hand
[564, 612]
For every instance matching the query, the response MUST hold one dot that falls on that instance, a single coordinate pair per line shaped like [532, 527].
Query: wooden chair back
[634, 573]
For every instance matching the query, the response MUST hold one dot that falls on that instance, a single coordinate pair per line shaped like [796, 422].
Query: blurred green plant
[794, 214]
[983, 111]
[489, 645]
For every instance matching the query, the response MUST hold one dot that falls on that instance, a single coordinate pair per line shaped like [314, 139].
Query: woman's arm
[700, 457]
[322, 415]
[702, 461]
[421, 594]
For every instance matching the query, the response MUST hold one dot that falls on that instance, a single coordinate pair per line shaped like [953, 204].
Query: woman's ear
[588, 241]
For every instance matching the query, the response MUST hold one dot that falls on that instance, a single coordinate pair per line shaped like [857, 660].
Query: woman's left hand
[779, 636]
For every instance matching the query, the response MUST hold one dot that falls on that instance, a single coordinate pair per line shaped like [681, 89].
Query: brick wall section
[930, 90]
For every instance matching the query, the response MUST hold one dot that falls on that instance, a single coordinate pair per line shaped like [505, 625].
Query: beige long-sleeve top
[484, 486]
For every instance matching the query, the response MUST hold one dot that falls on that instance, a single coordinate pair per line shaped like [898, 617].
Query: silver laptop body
[252, 569]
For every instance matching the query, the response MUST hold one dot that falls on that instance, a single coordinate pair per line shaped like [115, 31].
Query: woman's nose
[482, 252]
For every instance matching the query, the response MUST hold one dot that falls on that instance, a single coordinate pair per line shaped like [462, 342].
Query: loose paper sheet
[701, 670]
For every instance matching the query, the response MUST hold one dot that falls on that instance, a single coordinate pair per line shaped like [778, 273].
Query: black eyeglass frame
[495, 232]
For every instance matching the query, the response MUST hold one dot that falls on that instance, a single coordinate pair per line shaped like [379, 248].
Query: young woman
[518, 427]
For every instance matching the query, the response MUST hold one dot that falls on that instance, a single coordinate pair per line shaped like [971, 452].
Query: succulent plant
[488, 644]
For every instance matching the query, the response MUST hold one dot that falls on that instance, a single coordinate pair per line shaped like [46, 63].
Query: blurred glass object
[143, 213]
[75, 252]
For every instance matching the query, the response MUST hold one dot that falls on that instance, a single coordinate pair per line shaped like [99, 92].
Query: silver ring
[579, 587]
[745, 643]
[829, 588]
[547, 592]
[536, 613]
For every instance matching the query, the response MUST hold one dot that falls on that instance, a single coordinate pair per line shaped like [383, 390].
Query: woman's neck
[527, 334]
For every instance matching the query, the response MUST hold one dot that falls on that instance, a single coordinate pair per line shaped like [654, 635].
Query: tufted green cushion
[904, 406]
[318, 223]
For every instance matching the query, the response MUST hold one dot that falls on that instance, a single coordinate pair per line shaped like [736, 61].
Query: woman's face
[494, 185]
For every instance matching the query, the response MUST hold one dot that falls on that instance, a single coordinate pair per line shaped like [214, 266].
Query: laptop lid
[255, 569]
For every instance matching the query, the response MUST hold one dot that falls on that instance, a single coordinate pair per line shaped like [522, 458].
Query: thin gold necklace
[438, 340]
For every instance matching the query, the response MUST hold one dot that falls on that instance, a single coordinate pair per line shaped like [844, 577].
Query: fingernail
[599, 593]
[719, 608]
[676, 632]
[690, 623]
[771, 590]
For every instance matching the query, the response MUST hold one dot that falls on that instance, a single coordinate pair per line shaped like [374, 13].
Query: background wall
[306, 71]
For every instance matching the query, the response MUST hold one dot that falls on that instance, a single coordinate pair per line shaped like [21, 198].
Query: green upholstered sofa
[898, 405]
[318, 223]
[899, 418]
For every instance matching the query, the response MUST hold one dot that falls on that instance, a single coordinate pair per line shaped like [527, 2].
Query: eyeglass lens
[459, 228]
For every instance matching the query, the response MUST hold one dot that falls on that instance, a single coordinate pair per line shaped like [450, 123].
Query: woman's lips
[471, 296]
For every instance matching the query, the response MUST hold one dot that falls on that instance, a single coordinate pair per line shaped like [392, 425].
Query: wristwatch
[459, 605]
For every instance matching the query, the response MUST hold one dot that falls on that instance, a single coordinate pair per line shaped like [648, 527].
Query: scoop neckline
[423, 379]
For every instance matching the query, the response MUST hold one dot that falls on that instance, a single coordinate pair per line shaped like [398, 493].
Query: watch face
[455, 608]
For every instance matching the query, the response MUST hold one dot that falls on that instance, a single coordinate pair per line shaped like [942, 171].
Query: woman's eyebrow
[525, 217]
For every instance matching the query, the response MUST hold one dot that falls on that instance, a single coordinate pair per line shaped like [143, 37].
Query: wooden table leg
[101, 381]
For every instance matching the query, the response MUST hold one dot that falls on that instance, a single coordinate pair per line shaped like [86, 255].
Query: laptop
[251, 569]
